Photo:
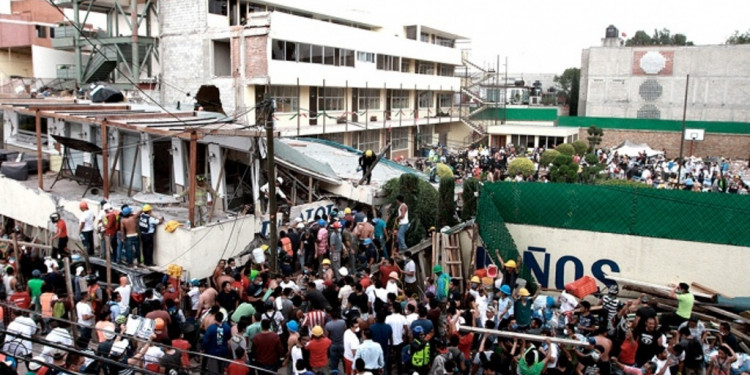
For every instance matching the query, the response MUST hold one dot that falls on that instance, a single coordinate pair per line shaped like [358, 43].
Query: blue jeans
[132, 247]
[402, 236]
[88, 241]
[335, 356]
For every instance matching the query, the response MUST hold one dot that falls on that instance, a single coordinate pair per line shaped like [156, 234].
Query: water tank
[612, 32]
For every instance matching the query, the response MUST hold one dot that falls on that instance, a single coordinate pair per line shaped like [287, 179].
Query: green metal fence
[673, 214]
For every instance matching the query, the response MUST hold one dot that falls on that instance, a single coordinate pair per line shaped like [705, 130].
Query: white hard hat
[280, 180]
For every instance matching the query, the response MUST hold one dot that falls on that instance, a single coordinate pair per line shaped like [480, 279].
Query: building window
[290, 51]
[426, 67]
[387, 62]
[305, 53]
[405, 65]
[317, 54]
[329, 55]
[27, 124]
[425, 99]
[286, 98]
[217, 7]
[222, 58]
[445, 100]
[41, 31]
[368, 140]
[400, 138]
[446, 70]
[369, 99]
[331, 99]
[550, 142]
[444, 42]
[399, 99]
[309, 53]
[277, 50]
[346, 57]
[365, 56]
[424, 37]
[520, 140]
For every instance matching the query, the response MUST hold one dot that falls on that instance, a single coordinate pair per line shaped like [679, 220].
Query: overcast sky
[547, 36]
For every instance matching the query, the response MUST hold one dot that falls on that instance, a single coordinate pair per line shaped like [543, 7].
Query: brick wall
[256, 60]
[733, 146]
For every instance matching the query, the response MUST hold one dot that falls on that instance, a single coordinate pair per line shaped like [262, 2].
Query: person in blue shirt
[380, 234]
[382, 334]
[216, 343]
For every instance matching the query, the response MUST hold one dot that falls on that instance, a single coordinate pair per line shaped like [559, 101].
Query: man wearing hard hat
[147, 226]
[366, 162]
[204, 197]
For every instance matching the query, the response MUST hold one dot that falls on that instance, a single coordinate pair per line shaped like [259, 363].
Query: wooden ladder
[451, 252]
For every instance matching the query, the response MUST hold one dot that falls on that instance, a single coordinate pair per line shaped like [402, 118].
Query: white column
[177, 162]
[147, 161]
[215, 155]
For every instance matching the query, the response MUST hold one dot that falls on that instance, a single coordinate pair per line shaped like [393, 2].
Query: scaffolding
[119, 55]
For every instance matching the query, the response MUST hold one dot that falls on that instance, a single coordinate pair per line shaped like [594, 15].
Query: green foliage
[595, 136]
[566, 149]
[523, 166]
[738, 38]
[563, 169]
[469, 199]
[570, 81]
[580, 146]
[422, 200]
[548, 156]
[444, 171]
[661, 37]
[447, 203]
[618, 182]
[591, 172]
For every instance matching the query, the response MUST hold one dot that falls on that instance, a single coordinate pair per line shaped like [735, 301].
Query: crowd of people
[712, 174]
[347, 298]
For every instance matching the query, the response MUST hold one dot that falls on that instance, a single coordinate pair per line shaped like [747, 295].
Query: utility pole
[505, 93]
[682, 135]
[269, 108]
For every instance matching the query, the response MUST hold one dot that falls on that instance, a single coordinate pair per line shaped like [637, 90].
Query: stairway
[101, 64]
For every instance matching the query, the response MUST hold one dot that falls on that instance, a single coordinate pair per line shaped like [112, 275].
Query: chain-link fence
[672, 214]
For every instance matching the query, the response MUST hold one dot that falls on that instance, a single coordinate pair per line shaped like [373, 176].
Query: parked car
[140, 278]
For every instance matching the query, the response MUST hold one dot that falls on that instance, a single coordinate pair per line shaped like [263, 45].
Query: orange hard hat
[159, 324]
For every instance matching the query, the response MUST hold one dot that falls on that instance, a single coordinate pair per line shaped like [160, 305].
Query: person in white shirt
[195, 294]
[18, 336]
[397, 322]
[86, 227]
[124, 290]
[86, 318]
[410, 275]
[411, 315]
[351, 343]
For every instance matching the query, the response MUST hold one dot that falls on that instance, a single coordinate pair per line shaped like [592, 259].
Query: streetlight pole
[682, 135]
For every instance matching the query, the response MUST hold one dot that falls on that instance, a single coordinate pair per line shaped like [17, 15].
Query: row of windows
[283, 50]
[334, 99]
[311, 53]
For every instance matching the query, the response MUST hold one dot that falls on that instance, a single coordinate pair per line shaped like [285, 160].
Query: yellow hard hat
[171, 226]
[147, 207]
[475, 279]
[347, 210]
[264, 247]
[368, 153]
[326, 261]
[523, 292]
[510, 264]
[317, 331]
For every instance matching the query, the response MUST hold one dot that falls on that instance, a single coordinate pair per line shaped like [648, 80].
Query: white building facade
[332, 76]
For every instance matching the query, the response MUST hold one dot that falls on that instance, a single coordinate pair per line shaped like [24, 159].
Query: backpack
[173, 329]
[272, 318]
[58, 310]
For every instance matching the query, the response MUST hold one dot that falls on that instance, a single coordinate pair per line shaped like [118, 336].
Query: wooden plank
[372, 167]
[27, 244]
[656, 288]
[706, 289]
[725, 313]
[523, 336]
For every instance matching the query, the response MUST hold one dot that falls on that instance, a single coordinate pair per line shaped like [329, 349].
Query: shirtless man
[129, 232]
[207, 298]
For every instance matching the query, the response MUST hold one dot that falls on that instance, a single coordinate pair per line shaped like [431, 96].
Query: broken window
[217, 7]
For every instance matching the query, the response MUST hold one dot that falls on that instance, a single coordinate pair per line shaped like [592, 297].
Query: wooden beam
[27, 244]
[191, 176]
[653, 288]
[523, 336]
[132, 171]
[381, 154]
[725, 313]
[105, 160]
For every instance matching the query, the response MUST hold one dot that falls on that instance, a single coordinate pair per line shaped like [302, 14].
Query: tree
[595, 136]
[422, 200]
[563, 169]
[523, 166]
[469, 198]
[661, 37]
[738, 38]
[580, 147]
[447, 203]
[570, 81]
[566, 149]
[590, 173]
[548, 156]
[444, 171]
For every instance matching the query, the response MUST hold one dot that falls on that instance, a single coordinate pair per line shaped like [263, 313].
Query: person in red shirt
[21, 298]
[184, 346]
[465, 339]
[61, 235]
[318, 348]
[267, 347]
[237, 367]
[386, 267]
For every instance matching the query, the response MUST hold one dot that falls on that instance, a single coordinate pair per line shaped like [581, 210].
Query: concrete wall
[563, 253]
[614, 82]
[735, 146]
[45, 61]
[14, 63]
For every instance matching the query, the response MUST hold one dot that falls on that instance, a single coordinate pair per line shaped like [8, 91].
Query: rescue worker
[366, 162]
[61, 235]
[202, 199]
[147, 226]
